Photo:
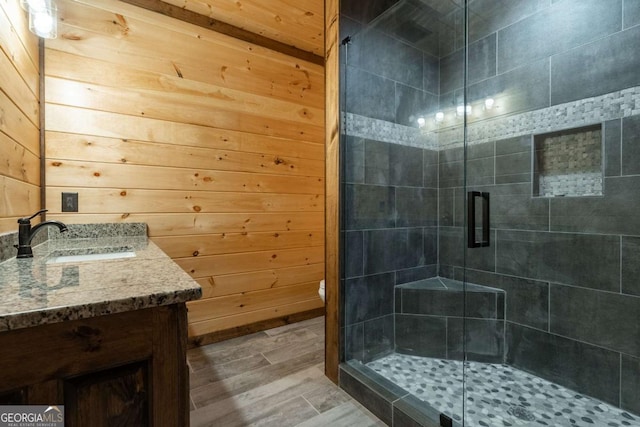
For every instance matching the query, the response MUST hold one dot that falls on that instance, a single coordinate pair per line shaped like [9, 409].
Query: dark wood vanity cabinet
[126, 369]
[117, 397]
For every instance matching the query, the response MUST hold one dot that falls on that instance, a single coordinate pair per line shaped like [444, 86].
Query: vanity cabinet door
[124, 369]
[117, 397]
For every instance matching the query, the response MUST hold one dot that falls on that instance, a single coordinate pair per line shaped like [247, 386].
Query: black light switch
[69, 202]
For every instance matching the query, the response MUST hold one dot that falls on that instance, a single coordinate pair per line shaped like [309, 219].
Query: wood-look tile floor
[270, 378]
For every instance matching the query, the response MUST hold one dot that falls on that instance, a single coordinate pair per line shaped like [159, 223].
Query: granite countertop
[34, 292]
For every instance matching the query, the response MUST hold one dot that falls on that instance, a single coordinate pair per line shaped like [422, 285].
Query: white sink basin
[90, 257]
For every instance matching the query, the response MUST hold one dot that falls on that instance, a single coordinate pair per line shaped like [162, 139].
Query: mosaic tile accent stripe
[380, 130]
[614, 105]
[497, 395]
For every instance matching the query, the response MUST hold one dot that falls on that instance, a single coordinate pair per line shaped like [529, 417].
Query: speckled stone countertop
[34, 292]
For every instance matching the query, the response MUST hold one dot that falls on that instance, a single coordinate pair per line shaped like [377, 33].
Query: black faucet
[26, 233]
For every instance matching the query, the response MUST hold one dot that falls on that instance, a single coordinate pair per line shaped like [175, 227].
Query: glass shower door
[402, 319]
[550, 268]
[490, 190]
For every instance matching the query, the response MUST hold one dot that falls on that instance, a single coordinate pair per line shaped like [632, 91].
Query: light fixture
[461, 109]
[439, 116]
[421, 121]
[43, 17]
[488, 103]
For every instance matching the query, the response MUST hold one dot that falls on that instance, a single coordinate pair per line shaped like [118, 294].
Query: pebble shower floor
[497, 395]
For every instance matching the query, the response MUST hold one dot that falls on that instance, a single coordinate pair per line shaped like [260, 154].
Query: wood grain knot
[178, 71]
[72, 37]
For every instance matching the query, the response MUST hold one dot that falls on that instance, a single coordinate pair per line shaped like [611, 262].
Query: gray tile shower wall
[488, 16]
[572, 80]
[390, 234]
[368, 297]
[548, 64]
[586, 368]
[547, 253]
[483, 342]
[609, 320]
[378, 338]
[365, 11]
[536, 54]
[552, 69]
[393, 249]
[630, 146]
[586, 260]
[421, 335]
[365, 54]
[368, 95]
[452, 244]
[630, 265]
[569, 266]
[560, 27]
[630, 374]
[412, 103]
[376, 87]
[631, 13]
[513, 160]
[524, 88]
[613, 213]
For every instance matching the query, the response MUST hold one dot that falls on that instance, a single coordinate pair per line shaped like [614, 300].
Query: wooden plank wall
[217, 144]
[332, 193]
[19, 117]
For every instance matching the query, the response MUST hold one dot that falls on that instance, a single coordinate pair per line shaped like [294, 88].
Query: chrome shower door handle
[472, 242]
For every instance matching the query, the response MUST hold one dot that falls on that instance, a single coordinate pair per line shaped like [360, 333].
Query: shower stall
[490, 211]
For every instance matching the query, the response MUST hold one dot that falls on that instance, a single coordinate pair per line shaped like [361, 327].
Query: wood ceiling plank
[296, 35]
[299, 23]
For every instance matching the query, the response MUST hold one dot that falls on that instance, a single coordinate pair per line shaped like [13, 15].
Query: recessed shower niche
[568, 162]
